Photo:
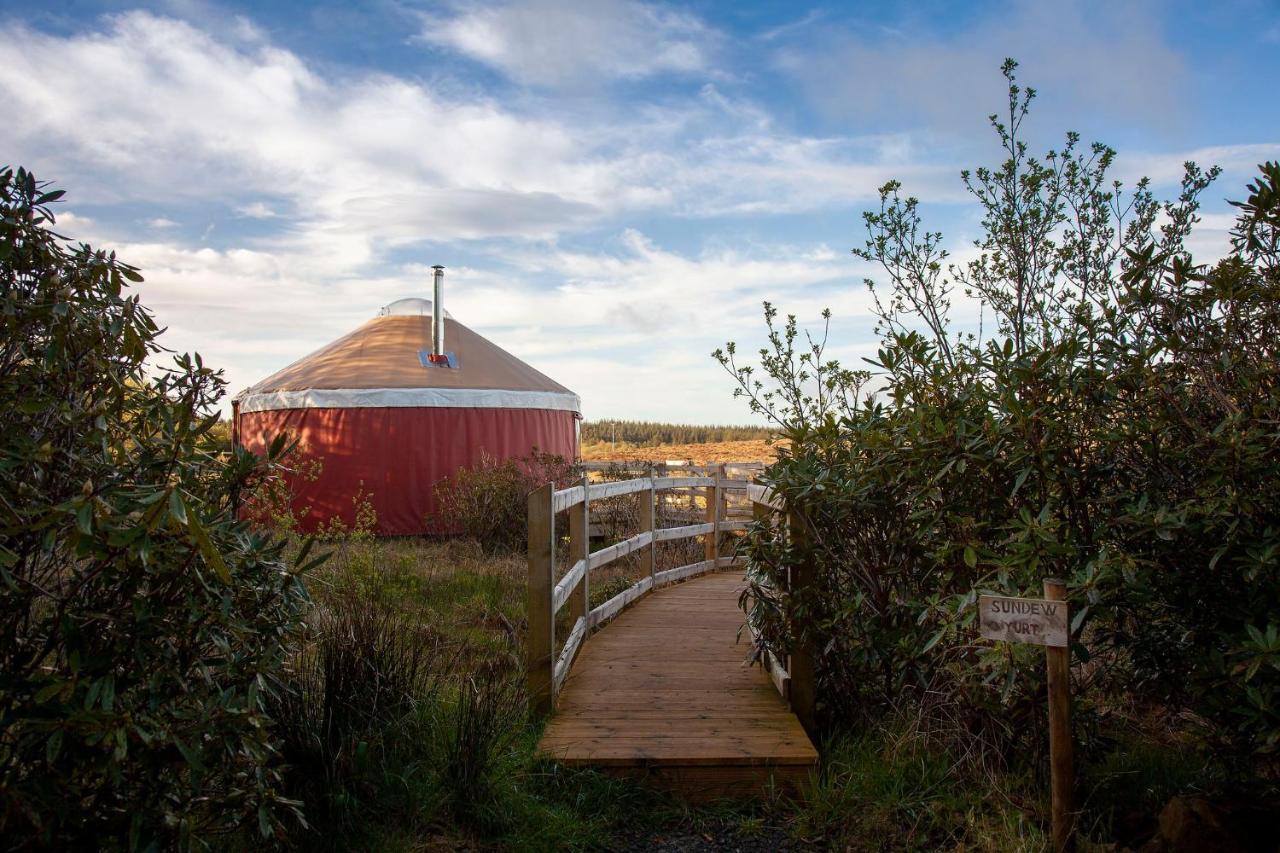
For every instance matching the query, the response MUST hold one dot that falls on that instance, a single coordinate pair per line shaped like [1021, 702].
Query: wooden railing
[547, 597]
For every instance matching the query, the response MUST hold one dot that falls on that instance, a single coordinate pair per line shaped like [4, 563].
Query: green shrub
[141, 624]
[490, 502]
[1111, 421]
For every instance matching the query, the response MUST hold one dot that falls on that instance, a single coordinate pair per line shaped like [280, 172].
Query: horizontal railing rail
[659, 467]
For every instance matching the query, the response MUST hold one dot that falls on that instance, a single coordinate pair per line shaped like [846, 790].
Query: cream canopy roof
[381, 364]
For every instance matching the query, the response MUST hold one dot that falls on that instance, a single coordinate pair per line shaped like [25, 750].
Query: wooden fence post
[722, 511]
[801, 664]
[580, 549]
[540, 654]
[1058, 666]
[648, 521]
[712, 552]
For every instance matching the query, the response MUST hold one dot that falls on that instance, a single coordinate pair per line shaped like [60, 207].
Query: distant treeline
[649, 433]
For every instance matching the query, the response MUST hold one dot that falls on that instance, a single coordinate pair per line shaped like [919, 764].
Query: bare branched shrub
[364, 520]
[489, 502]
[618, 517]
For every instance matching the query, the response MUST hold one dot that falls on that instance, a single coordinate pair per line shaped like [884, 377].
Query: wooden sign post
[1044, 622]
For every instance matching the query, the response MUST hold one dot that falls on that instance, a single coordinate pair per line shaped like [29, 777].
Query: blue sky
[613, 186]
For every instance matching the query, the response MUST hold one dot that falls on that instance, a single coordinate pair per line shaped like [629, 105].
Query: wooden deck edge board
[601, 761]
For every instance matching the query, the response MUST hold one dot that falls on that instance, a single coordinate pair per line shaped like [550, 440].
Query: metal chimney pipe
[437, 313]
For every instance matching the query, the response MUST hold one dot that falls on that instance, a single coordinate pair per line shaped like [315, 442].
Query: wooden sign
[1044, 622]
[1024, 620]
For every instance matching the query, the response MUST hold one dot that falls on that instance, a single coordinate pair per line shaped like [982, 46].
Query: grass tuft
[893, 788]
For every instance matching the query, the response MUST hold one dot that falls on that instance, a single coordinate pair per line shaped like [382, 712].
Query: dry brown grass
[754, 450]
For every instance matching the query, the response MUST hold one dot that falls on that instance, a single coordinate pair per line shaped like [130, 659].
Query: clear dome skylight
[410, 306]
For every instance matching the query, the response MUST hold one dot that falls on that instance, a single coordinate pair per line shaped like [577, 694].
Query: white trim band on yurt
[409, 398]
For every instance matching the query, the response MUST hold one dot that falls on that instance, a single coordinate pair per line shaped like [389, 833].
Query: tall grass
[360, 680]
[894, 786]
[484, 723]
[404, 715]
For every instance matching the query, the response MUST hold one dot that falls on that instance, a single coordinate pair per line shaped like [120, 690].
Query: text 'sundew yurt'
[398, 405]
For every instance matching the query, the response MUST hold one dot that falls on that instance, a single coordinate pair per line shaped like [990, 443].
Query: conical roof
[384, 363]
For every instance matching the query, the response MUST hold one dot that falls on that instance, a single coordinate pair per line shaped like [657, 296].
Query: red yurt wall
[397, 455]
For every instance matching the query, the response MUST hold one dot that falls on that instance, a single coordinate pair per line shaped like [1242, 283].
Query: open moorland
[746, 450]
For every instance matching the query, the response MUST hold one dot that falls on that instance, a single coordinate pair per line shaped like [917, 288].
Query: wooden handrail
[662, 465]
[763, 495]
[736, 484]
[567, 498]
[666, 534]
[576, 636]
[619, 549]
[613, 606]
[617, 488]
[546, 670]
[683, 482]
[567, 584]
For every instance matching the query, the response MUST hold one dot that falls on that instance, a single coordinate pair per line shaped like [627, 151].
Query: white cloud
[161, 222]
[575, 42]
[67, 219]
[368, 161]
[632, 329]
[791, 28]
[1238, 162]
[221, 120]
[641, 288]
[256, 210]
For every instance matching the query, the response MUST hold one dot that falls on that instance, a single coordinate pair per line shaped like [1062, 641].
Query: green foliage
[1109, 418]
[490, 501]
[141, 625]
[274, 505]
[649, 434]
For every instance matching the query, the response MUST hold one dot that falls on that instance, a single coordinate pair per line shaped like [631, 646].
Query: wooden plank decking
[662, 692]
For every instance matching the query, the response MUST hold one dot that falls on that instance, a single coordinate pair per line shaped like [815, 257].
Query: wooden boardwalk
[662, 692]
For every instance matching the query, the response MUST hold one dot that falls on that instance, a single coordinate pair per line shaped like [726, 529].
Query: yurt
[399, 404]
